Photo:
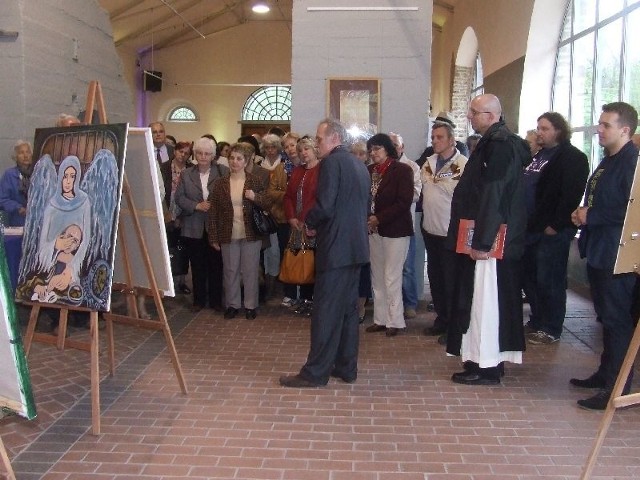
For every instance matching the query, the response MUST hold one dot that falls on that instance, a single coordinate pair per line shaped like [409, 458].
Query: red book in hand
[465, 235]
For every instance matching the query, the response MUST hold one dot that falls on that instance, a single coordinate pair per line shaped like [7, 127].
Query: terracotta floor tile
[402, 420]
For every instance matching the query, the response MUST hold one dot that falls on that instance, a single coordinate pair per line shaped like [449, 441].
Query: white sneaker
[541, 338]
[287, 302]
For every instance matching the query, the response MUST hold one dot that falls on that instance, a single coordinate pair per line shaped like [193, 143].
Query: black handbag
[179, 258]
[263, 221]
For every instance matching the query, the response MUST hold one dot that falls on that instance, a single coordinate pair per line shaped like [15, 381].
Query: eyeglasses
[474, 112]
[375, 148]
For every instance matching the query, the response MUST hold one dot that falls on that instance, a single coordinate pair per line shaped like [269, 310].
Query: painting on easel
[72, 216]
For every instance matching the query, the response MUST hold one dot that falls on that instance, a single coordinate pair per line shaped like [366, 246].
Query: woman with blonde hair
[299, 198]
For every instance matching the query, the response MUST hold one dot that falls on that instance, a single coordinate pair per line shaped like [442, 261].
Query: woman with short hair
[231, 232]
[14, 185]
[390, 226]
[192, 197]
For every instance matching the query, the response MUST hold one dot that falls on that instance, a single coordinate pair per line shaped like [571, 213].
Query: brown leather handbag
[298, 262]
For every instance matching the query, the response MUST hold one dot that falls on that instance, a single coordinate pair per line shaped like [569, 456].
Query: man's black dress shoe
[230, 313]
[344, 378]
[598, 402]
[182, 288]
[250, 313]
[392, 331]
[296, 381]
[473, 378]
[435, 330]
[375, 328]
[594, 381]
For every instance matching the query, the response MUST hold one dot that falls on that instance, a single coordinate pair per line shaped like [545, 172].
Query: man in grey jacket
[339, 220]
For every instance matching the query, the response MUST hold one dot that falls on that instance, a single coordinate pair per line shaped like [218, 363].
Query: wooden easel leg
[112, 347]
[31, 328]
[62, 328]
[4, 458]
[95, 374]
[174, 355]
[605, 423]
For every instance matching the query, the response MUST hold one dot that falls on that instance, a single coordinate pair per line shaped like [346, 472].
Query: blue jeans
[409, 284]
[612, 299]
[545, 279]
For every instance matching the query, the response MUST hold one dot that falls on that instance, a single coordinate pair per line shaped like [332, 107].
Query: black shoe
[344, 378]
[250, 313]
[473, 378]
[296, 381]
[594, 381]
[393, 331]
[435, 330]
[598, 402]
[442, 339]
[430, 307]
[230, 313]
[375, 328]
[362, 318]
[182, 288]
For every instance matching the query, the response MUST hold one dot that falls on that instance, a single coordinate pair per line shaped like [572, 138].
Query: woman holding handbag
[231, 231]
[298, 200]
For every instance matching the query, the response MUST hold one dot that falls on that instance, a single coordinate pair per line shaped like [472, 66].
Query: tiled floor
[402, 420]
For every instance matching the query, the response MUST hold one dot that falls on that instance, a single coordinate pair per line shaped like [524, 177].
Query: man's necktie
[158, 157]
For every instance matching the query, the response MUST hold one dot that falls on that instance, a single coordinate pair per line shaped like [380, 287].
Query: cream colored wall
[502, 28]
[191, 69]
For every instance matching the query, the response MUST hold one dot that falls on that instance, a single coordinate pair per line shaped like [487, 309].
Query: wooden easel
[616, 401]
[4, 462]
[94, 97]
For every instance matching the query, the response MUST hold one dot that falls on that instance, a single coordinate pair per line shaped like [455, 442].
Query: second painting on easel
[72, 216]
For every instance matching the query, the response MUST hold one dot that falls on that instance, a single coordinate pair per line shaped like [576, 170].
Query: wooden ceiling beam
[145, 28]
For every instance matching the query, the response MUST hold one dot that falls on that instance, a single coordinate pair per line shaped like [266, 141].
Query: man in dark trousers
[601, 220]
[339, 220]
[485, 325]
[554, 183]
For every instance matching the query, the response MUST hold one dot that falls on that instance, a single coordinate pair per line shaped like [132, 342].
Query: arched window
[272, 103]
[597, 62]
[183, 114]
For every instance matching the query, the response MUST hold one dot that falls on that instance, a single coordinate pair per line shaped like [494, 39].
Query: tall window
[268, 103]
[598, 61]
[477, 86]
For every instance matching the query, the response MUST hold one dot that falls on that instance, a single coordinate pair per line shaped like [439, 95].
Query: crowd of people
[355, 206]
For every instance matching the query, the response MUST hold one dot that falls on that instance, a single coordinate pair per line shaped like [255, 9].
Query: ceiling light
[260, 8]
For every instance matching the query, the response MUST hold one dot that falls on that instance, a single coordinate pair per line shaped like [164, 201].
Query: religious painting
[356, 103]
[72, 216]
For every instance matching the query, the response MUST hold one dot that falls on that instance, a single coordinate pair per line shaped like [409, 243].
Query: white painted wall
[40, 79]
[394, 46]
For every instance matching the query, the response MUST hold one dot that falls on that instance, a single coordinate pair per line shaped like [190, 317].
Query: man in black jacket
[554, 183]
[485, 325]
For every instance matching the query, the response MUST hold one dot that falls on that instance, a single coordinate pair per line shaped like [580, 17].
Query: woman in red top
[298, 200]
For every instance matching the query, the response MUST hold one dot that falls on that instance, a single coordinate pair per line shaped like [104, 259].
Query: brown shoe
[375, 328]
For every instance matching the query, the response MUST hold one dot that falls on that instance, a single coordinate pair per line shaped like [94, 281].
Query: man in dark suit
[161, 149]
[339, 218]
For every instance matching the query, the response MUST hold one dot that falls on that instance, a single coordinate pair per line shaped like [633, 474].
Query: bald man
[486, 326]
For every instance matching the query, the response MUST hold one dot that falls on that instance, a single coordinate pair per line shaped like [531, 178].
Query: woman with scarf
[390, 226]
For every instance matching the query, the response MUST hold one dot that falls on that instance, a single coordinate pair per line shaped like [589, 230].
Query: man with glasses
[162, 150]
[485, 326]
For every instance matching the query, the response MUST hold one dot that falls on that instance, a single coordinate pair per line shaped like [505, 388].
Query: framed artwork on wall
[356, 103]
